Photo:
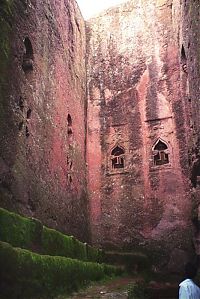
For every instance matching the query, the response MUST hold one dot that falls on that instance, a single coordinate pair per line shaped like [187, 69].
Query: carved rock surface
[43, 83]
[137, 102]
[190, 41]
[143, 120]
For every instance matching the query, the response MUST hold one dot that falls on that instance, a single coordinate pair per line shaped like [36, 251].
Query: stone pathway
[115, 289]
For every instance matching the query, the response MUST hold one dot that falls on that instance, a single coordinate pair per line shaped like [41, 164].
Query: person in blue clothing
[187, 288]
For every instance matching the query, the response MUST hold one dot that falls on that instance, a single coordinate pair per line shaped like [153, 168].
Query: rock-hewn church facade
[99, 121]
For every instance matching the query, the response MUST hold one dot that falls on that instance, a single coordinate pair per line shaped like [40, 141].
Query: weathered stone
[44, 82]
[143, 121]
[136, 102]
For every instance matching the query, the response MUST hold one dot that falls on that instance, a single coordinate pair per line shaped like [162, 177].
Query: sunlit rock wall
[42, 112]
[137, 113]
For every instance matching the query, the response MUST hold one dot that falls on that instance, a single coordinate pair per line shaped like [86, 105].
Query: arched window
[160, 153]
[118, 157]
[28, 56]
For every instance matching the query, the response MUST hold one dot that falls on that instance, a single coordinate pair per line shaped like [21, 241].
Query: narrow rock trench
[118, 289]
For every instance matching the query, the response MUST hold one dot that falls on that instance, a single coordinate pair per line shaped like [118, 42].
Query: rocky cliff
[142, 121]
[138, 132]
[190, 55]
[42, 108]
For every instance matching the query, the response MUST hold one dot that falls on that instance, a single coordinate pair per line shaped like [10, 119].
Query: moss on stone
[56, 243]
[95, 255]
[30, 275]
[31, 234]
[5, 14]
[19, 231]
[6, 7]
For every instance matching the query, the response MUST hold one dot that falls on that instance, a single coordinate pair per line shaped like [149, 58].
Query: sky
[92, 7]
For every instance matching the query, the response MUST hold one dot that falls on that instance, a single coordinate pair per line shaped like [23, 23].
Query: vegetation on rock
[29, 275]
[30, 234]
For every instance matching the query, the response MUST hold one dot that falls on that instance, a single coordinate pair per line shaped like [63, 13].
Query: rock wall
[138, 129]
[43, 110]
[190, 42]
[142, 121]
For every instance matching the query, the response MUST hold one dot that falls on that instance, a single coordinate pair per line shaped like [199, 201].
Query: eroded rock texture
[42, 108]
[190, 40]
[138, 128]
[142, 121]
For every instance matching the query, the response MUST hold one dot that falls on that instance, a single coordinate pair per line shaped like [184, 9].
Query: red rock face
[137, 129]
[190, 43]
[142, 121]
[42, 140]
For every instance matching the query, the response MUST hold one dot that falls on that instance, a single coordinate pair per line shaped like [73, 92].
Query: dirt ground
[118, 289]
[114, 289]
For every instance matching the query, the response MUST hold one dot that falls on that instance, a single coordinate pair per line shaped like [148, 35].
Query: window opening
[161, 154]
[28, 56]
[69, 131]
[118, 158]
[183, 59]
[69, 120]
[69, 178]
[195, 177]
[69, 124]
[27, 132]
[183, 55]
[28, 114]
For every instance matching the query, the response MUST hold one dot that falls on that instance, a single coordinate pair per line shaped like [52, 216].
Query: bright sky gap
[90, 8]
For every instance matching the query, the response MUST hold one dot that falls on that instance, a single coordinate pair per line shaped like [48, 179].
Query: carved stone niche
[161, 153]
[116, 161]
[27, 64]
